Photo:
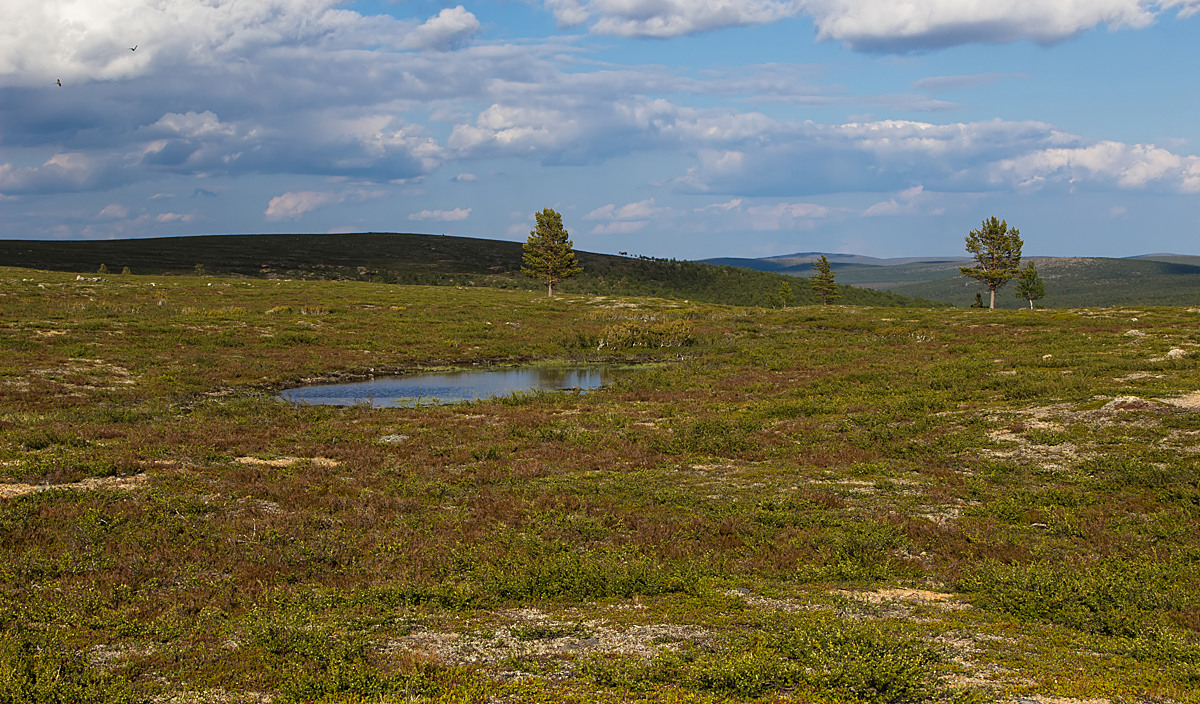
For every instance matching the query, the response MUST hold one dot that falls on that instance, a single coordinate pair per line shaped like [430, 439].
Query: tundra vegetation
[819, 504]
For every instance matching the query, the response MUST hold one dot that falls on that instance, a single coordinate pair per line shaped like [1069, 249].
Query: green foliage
[822, 282]
[858, 662]
[36, 670]
[549, 254]
[1030, 286]
[557, 572]
[652, 334]
[997, 253]
[1109, 597]
[102, 270]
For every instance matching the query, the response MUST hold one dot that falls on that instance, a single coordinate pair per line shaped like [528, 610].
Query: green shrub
[35, 670]
[649, 333]
[1113, 597]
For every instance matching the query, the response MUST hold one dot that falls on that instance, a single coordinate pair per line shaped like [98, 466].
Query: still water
[437, 388]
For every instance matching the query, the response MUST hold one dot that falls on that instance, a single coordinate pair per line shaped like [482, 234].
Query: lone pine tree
[823, 285]
[548, 251]
[997, 252]
[1030, 285]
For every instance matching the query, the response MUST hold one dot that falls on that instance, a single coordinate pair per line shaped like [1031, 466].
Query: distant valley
[1153, 279]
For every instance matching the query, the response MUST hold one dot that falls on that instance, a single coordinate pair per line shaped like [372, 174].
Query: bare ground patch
[8, 491]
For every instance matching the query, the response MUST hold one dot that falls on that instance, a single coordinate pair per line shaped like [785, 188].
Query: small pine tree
[997, 252]
[125, 271]
[786, 297]
[1030, 285]
[200, 270]
[823, 285]
[548, 251]
[102, 270]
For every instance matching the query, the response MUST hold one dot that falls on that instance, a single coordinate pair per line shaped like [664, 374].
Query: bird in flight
[59, 82]
[133, 48]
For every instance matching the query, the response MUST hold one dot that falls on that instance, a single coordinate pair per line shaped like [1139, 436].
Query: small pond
[438, 388]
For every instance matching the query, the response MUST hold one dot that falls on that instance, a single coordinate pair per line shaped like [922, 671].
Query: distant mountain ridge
[1148, 279]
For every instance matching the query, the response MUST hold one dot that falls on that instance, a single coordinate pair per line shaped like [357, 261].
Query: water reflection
[435, 388]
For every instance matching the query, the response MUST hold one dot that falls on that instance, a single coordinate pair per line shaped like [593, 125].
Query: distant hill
[1152, 279]
[417, 259]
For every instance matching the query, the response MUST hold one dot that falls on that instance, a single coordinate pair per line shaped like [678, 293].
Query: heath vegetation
[819, 504]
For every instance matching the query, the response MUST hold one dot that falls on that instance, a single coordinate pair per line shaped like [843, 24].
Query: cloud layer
[317, 111]
[872, 25]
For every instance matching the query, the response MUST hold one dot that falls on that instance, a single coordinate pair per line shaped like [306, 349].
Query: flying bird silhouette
[134, 47]
[59, 82]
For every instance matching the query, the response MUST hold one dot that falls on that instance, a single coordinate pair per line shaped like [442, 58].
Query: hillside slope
[1153, 279]
[415, 259]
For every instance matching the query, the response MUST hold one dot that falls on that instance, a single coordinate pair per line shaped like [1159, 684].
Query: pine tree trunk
[993, 305]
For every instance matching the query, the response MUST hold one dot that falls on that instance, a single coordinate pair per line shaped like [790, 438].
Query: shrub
[1113, 597]
[35, 670]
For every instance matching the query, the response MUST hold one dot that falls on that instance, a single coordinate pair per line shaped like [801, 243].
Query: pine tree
[1030, 285]
[997, 252]
[823, 285]
[548, 251]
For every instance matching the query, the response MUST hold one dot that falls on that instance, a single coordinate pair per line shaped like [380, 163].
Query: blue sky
[674, 128]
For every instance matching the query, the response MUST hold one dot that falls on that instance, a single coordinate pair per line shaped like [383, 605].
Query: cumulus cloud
[1125, 166]
[290, 206]
[442, 215]
[452, 28]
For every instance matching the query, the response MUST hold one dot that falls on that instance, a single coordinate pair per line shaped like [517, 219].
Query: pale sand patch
[8, 491]
[920, 596]
[288, 461]
[506, 641]
[1190, 401]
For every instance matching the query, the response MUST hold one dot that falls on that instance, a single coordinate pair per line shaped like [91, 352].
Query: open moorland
[825, 505]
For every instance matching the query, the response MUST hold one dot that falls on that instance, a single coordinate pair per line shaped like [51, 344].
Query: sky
[670, 128]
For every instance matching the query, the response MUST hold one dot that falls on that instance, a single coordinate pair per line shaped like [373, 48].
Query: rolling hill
[1154, 279]
[416, 259]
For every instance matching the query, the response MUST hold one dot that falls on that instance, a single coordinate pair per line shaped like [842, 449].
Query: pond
[439, 388]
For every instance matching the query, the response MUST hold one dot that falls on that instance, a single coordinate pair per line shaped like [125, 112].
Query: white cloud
[452, 28]
[629, 211]
[175, 217]
[906, 202]
[191, 124]
[785, 216]
[442, 215]
[1120, 165]
[291, 206]
[115, 211]
[873, 25]
[465, 178]
[620, 227]
[668, 18]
